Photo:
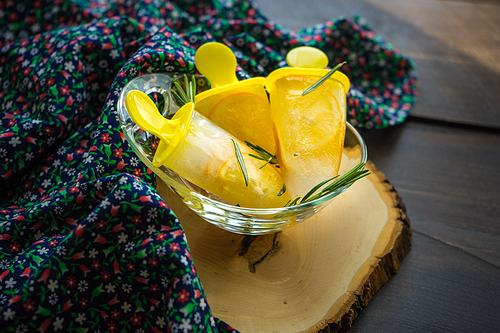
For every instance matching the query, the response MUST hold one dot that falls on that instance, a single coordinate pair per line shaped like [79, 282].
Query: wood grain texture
[314, 277]
[438, 289]
[446, 175]
[455, 45]
[482, 245]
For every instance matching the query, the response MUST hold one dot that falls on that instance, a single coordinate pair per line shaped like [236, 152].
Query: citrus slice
[247, 116]
[207, 158]
[309, 131]
[263, 184]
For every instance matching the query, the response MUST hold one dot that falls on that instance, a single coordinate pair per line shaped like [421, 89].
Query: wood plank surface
[446, 173]
[447, 177]
[437, 289]
[482, 245]
[455, 45]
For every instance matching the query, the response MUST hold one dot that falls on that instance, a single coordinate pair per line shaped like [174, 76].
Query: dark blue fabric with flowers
[86, 242]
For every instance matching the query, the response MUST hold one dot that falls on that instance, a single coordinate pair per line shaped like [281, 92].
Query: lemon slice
[240, 107]
[207, 158]
[246, 116]
[262, 190]
[309, 131]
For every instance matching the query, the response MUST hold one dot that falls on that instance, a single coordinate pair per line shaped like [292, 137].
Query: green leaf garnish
[263, 155]
[317, 187]
[241, 162]
[178, 98]
[282, 191]
[188, 88]
[193, 89]
[348, 178]
[323, 79]
[291, 203]
[185, 94]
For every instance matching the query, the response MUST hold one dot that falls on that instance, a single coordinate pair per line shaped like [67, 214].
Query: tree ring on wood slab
[314, 277]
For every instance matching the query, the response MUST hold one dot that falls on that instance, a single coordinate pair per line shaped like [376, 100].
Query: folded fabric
[86, 242]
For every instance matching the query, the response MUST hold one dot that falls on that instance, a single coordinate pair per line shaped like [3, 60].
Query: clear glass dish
[247, 221]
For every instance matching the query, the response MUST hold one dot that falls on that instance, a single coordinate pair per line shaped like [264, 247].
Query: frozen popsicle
[203, 153]
[309, 130]
[240, 107]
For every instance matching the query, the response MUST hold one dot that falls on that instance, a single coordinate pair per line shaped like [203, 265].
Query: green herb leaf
[315, 188]
[348, 178]
[323, 79]
[193, 88]
[257, 157]
[241, 162]
[188, 90]
[267, 162]
[178, 98]
[291, 203]
[282, 191]
[181, 93]
[186, 94]
[262, 154]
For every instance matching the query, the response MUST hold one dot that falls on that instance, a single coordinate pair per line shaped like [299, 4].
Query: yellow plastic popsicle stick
[307, 57]
[145, 114]
[305, 60]
[217, 63]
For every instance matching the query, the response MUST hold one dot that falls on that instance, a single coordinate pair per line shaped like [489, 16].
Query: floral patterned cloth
[86, 242]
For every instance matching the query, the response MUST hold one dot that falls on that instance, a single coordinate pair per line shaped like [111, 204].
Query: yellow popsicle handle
[217, 63]
[145, 114]
[305, 60]
[307, 57]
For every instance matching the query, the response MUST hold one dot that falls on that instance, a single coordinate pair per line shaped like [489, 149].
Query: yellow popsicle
[207, 158]
[203, 153]
[240, 107]
[309, 130]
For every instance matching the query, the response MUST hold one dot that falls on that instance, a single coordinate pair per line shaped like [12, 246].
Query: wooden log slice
[314, 277]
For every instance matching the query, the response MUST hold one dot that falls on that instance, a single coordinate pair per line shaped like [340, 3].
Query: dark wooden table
[444, 160]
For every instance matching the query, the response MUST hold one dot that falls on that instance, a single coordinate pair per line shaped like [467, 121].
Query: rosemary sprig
[282, 191]
[263, 155]
[323, 79]
[315, 188]
[291, 203]
[348, 178]
[193, 88]
[240, 160]
[188, 88]
[185, 94]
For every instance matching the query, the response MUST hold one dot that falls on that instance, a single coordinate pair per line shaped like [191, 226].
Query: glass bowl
[240, 220]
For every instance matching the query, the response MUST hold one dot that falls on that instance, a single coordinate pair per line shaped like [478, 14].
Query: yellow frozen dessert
[240, 107]
[206, 155]
[309, 130]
